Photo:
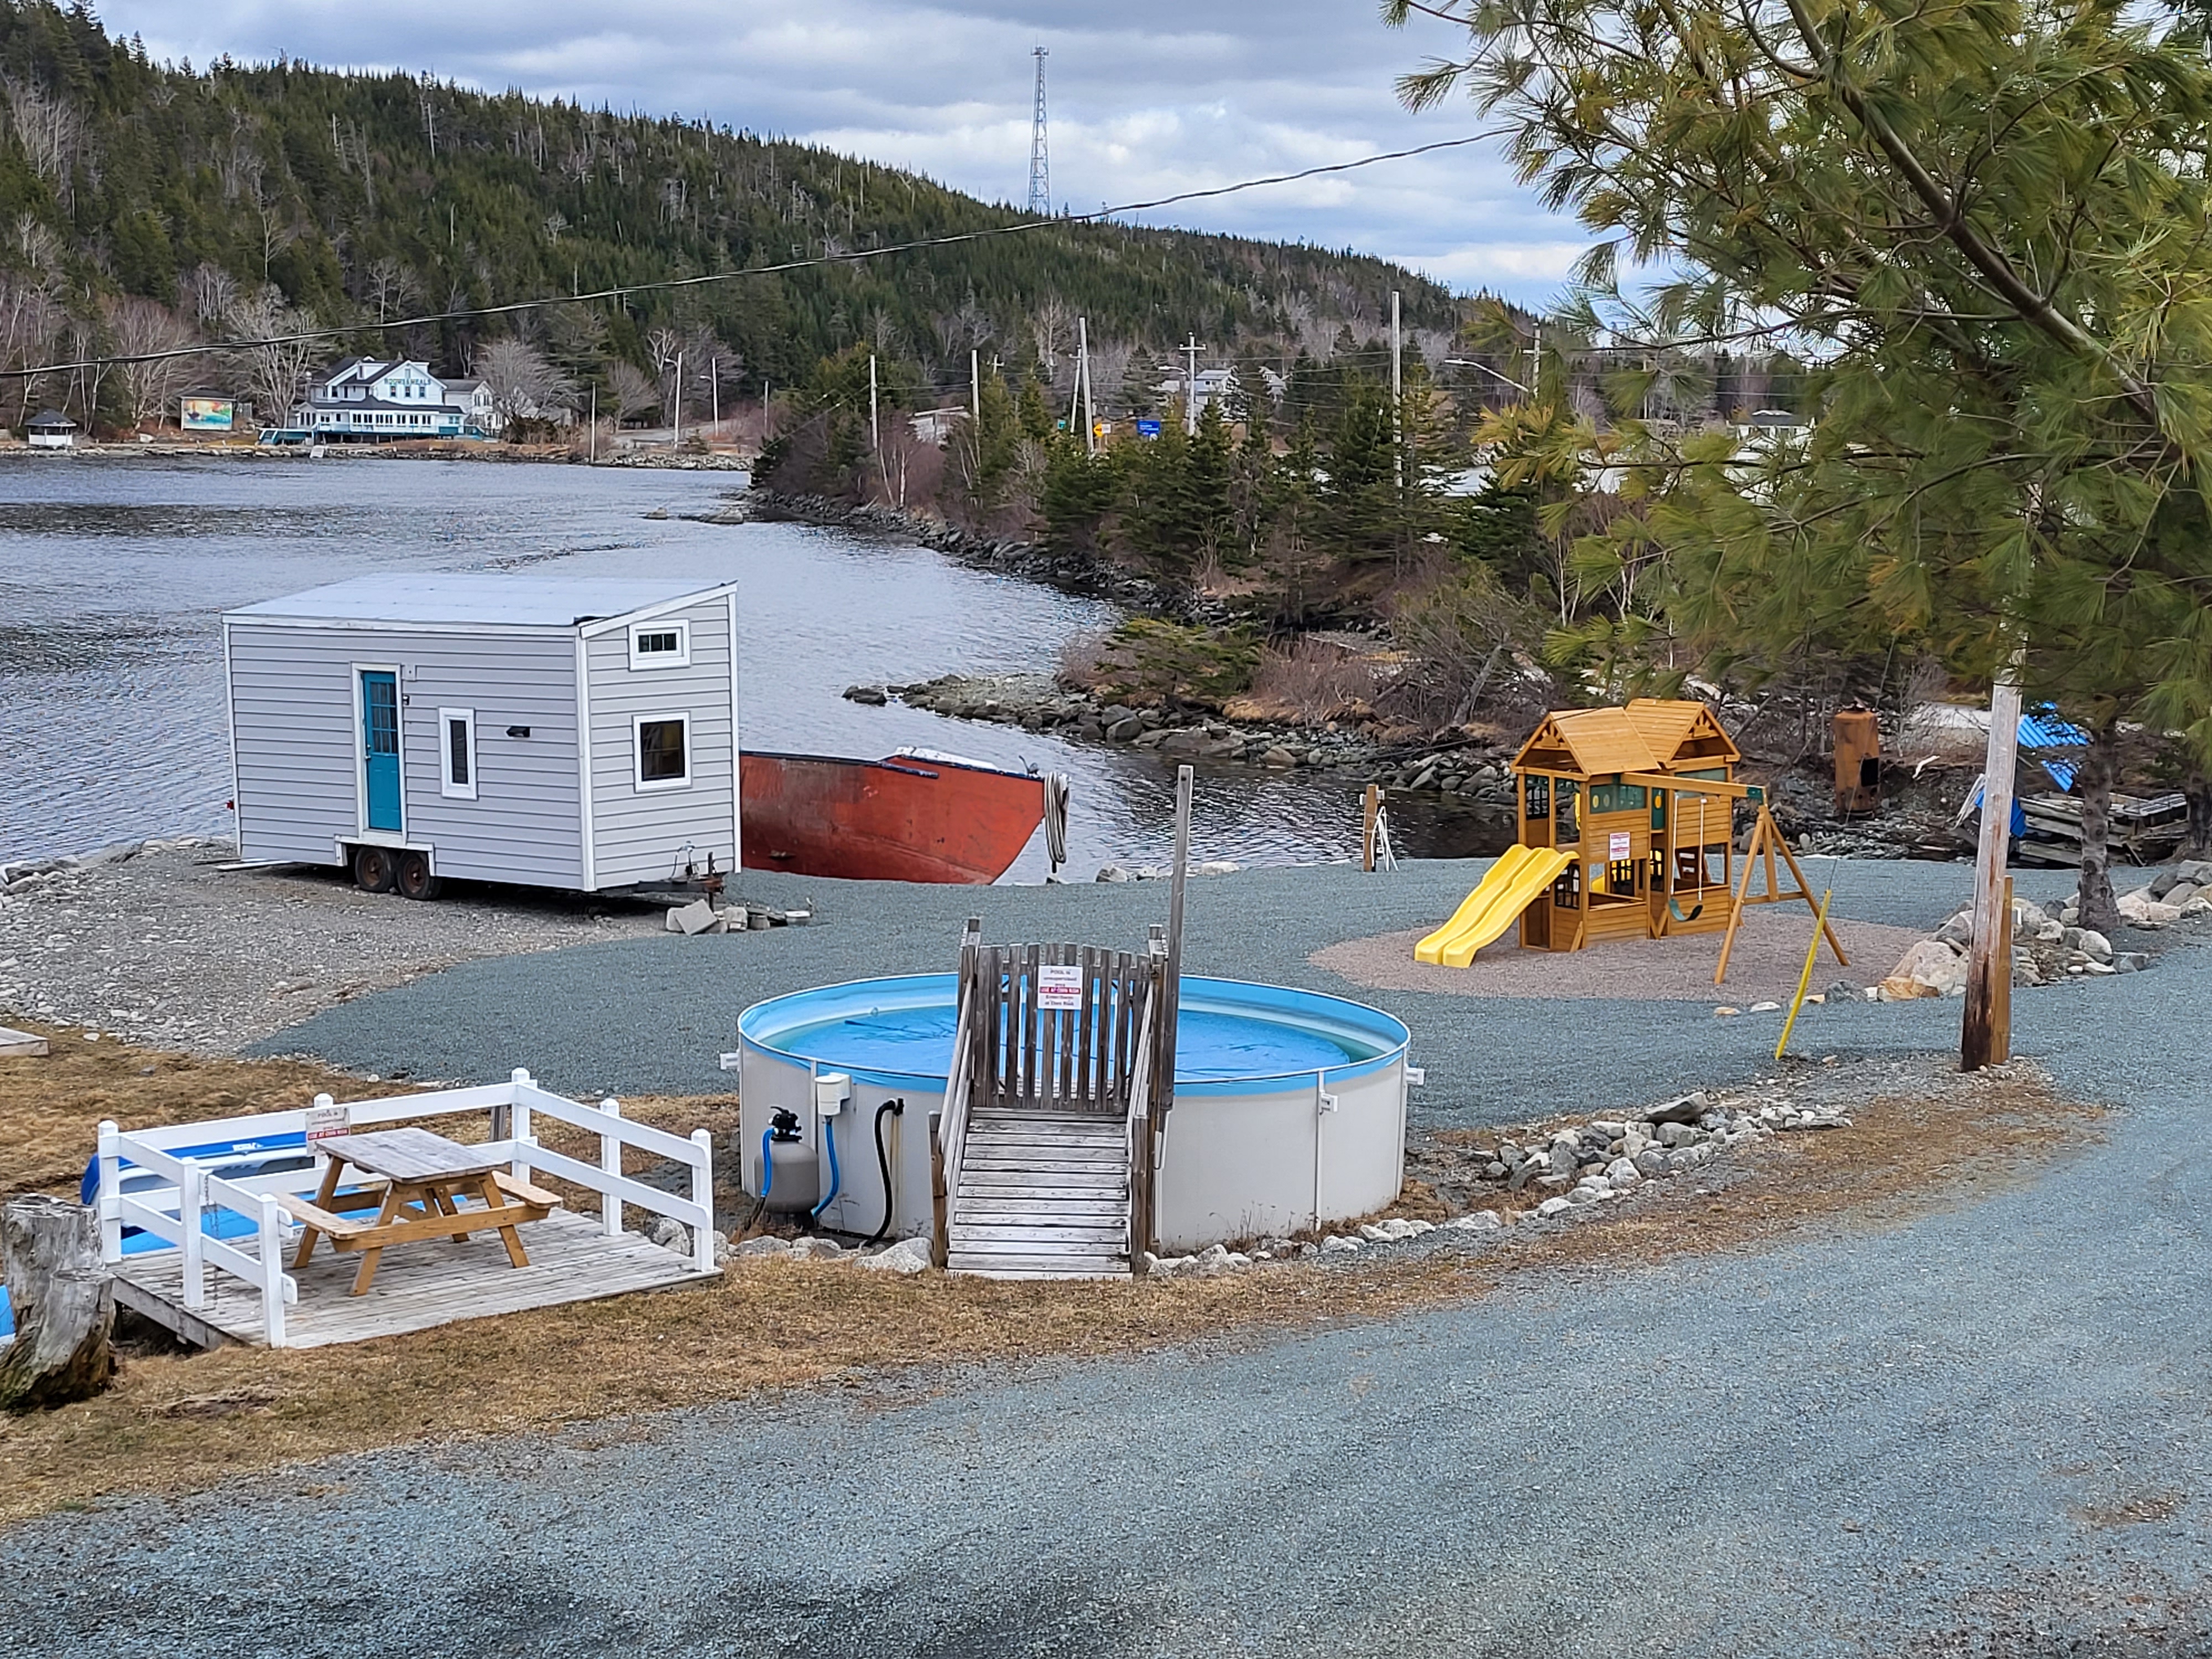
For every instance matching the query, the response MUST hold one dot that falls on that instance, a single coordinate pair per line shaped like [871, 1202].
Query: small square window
[664, 751]
[456, 753]
[660, 645]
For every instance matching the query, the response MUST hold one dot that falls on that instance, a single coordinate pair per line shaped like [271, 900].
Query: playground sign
[1060, 988]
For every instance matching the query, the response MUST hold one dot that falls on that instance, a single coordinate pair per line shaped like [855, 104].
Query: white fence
[184, 1194]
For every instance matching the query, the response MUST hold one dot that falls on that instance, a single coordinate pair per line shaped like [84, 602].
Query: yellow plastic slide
[1520, 874]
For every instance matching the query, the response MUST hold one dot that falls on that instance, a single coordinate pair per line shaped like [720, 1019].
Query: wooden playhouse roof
[1650, 734]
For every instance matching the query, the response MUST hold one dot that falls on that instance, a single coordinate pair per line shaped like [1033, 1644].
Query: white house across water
[555, 731]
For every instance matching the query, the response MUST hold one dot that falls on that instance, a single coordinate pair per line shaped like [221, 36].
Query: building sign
[1617, 845]
[210, 414]
[1060, 988]
[1148, 428]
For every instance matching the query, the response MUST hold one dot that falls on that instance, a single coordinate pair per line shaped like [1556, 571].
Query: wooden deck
[417, 1287]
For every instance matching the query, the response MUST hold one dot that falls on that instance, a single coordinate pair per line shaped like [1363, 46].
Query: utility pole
[1080, 409]
[875, 436]
[676, 438]
[1984, 1035]
[593, 440]
[1040, 166]
[1397, 397]
[975, 392]
[715, 389]
[1190, 390]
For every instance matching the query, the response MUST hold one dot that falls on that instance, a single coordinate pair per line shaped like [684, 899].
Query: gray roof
[491, 599]
[51, 417]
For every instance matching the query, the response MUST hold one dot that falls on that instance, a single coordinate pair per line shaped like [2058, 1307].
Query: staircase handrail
[952, 1119]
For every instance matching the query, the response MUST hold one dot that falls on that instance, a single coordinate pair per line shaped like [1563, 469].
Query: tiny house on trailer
[574, 733]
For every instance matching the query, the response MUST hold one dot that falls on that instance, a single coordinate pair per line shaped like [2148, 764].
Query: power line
[855, 256]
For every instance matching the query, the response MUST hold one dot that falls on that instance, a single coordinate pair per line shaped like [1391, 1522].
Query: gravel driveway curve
[1982, 1433]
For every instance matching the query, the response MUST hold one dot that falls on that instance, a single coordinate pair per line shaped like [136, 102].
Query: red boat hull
[899, 819]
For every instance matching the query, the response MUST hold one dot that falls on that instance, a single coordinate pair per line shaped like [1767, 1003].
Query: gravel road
[650, 1015]
[1985, 1432]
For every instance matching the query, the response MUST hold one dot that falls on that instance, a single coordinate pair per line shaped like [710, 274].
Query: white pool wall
[1241, 1158]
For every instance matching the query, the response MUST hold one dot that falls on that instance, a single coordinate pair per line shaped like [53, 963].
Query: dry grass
[175, 1422]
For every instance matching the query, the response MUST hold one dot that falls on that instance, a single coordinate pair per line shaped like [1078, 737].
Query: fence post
[703, 1194]
[521, 1079]
[272, 1271]
[191, 1197]
[610, 1163]
[111, 1193]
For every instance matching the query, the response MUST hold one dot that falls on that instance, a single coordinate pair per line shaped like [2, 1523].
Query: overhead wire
[846, 257]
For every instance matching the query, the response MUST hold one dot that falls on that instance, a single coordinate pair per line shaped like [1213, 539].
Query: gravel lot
[166, 948]
[1985, 1432]
[650, 1015]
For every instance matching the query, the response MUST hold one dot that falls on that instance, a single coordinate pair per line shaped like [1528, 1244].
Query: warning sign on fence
[1060, 988]
[325, 1122]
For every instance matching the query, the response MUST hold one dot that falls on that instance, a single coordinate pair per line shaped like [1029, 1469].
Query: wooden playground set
[1627, 830]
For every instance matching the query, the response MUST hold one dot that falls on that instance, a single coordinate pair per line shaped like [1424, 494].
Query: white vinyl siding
[639, 833]
[293, 700]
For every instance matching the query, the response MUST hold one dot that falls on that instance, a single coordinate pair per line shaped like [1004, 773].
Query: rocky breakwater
[2049, 943]
[1037, 703]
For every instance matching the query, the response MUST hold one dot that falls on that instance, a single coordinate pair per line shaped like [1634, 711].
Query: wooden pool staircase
[1045, 1151]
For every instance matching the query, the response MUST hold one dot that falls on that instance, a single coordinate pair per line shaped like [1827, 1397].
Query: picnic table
[427, 1180]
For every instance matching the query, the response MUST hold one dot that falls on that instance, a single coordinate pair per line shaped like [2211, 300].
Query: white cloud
[1148, 99]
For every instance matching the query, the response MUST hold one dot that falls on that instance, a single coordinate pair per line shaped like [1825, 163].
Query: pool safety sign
[1060, 988]
[1618, 846]
[325, 1122]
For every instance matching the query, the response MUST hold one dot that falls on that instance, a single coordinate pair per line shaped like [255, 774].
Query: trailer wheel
[374, 870]
[416, 879]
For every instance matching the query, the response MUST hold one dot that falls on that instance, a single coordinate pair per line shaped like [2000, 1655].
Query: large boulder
[1930, 969]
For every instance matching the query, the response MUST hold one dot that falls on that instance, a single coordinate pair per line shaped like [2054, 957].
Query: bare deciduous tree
[389, 288]
[630, 390]
[139, 328]
[50, 131]
[207, 293]
[272, 363]
[30, 322]
[524, 385]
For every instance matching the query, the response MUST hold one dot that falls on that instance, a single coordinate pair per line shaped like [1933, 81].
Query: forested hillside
[140, 202]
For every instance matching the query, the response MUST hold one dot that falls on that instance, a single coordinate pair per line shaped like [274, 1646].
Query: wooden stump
[64, 1299]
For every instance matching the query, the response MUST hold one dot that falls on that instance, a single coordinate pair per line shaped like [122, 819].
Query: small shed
[51, 430]
[553, 732]
[1618, 785]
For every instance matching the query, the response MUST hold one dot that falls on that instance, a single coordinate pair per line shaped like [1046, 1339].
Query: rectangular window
[664, 751]
[458, 753]
[660, 645]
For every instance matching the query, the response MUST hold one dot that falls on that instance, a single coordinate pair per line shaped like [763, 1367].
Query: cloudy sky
[1148, 97]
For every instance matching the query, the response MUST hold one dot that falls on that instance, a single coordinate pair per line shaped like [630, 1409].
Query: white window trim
[681, 658]
[446, 785]
[637, 751]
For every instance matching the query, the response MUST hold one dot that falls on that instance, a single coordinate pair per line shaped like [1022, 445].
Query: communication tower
[1040, 166]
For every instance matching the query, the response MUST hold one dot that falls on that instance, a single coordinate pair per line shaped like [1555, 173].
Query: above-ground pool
[1290, 1106]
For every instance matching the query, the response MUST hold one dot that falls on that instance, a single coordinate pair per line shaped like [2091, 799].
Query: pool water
[1210, 1046]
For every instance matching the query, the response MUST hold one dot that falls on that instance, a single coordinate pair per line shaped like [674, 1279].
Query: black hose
[889, 1108]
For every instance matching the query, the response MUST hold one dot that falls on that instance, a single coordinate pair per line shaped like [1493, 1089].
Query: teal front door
[379, 748]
